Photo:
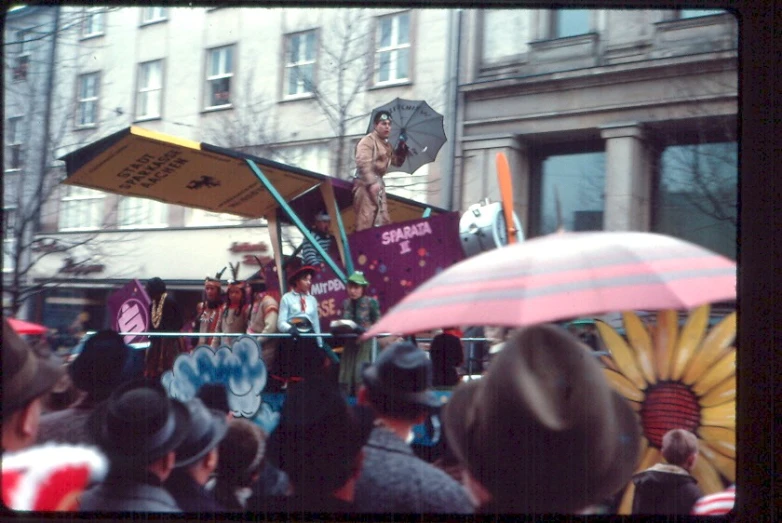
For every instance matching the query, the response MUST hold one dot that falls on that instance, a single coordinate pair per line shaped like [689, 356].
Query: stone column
[479, 173]
[628, 178]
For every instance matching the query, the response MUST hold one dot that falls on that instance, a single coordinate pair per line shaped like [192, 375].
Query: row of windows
[94, 21]
[392, 58]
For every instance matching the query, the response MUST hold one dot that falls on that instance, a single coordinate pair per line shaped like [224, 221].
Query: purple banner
[395, 259]
[129, 310]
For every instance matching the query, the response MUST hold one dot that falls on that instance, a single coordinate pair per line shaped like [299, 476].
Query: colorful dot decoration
[362, 259]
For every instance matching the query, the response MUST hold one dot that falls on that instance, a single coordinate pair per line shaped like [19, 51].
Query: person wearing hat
[26, 378]
[139, 429]
[196, 460]
[263, 319]
[325, 239]
[318, 443]
[299, 357]
[235, 315]
[364, 311]
[165, 317]
[542, 431]
[99, 368]
[208, 311]
[373, 157]
[398, 388]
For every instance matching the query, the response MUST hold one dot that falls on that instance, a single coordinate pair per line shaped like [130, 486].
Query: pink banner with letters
[129, 310]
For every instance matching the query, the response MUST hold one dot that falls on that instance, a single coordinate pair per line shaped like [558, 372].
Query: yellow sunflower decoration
[678, 379]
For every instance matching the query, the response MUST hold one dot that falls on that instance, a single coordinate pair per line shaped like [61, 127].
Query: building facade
[292, 85]
[625, 120]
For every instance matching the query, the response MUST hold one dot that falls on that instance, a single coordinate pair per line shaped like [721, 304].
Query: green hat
[358, 278]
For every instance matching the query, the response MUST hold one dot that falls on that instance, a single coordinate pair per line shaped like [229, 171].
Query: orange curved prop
[506, 194]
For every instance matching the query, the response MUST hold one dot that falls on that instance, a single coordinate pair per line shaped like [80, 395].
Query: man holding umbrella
[373, 156]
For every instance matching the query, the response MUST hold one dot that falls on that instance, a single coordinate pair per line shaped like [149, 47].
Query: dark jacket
[394, 480]
[68, 425]
[131, 492]
[446, 353]
[189, 495]
[303, 504]
[665, 489]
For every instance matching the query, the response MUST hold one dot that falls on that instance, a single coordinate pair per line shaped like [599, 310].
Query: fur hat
[139, 423]
[402, 371]
[543, 431]
[25, 375]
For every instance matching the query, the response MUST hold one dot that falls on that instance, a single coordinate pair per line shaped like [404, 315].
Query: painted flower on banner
[678, 379]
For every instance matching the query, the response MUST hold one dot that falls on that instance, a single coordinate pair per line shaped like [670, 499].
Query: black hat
[402, 371]
[155, 286]
[207, 428]
[317, 432]
[99, 367]
[139, 423]
[25, 375]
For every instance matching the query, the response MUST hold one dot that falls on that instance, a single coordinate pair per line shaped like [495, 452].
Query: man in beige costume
[373, 157]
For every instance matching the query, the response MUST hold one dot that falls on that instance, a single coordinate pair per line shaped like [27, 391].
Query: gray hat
[208, 427]
[402, 371]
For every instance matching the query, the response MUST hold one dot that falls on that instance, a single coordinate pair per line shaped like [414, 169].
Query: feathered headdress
[214, 282]
[234, 281]
[258, 284]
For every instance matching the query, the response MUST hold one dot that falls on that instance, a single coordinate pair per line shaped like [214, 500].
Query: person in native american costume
[263, 317]
[208, 311]
[236, 311]
[166, 317]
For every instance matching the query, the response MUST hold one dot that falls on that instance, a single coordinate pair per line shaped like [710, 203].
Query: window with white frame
[22, 60]
[150, 88]
[93, 22]
[9, 239]
[87, 113]
[13, 141]
[299, 63]
[219, 67]
[152, 14]
[570, 22]
[141, 212]
[497, 25]
[392, 56]
[81, 208]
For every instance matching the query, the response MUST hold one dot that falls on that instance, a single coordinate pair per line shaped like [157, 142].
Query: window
[9, 240]
[497, 25]
[152, 14]
[299, 63]
[219, 68]
[92, 25]
[697, 195]
[88, 99]
[150, 87]
[81, 208]
[21, 68]
[141, 212]
[578, 182]
[695, 13]
[570, 22]
[13, 140]
[393, 48]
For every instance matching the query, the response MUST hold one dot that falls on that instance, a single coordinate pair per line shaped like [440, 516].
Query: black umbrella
[422, 127]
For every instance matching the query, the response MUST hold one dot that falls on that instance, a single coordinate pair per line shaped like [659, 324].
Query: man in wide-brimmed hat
[104, 364]
[139, 429]
[196, 459]
[398, 388]
[542, 431]
[26, 378]
[318, 443]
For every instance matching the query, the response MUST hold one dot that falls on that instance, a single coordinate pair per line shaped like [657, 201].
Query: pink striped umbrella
[565, 275]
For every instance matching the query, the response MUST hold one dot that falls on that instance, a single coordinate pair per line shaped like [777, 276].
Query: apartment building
[622, 119]
[293, 85]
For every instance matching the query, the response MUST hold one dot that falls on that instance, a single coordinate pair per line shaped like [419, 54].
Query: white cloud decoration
[239, 368]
